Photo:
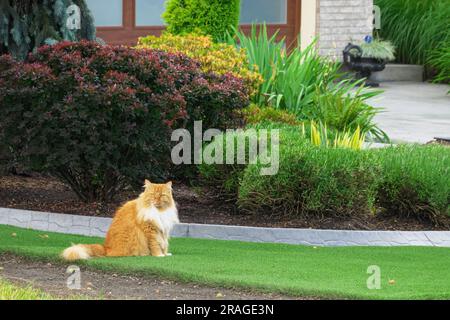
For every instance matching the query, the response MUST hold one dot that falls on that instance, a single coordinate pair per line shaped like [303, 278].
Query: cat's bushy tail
[83, 252]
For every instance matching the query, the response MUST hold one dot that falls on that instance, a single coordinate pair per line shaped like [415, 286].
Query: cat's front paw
[160, 255]
[168, 254]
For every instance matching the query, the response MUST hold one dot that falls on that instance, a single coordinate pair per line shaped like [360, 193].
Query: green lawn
[418, 272]
[8, 291]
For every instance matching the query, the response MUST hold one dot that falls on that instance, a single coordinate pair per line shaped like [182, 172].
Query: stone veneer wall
[340, 22]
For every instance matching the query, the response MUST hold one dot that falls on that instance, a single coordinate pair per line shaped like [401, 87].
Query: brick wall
[340, 22]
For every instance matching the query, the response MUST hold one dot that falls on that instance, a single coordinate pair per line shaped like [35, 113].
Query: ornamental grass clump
[439, 59]
[378, 49]
[415, 27]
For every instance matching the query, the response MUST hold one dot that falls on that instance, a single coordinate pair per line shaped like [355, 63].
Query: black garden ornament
[363, 64]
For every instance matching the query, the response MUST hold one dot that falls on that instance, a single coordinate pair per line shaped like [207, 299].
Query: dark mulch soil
[195, 205]
[51, 278]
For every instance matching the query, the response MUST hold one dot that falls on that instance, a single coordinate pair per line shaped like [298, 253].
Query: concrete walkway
[414, 111]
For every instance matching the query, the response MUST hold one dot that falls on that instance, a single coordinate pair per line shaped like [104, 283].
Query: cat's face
[159, 195]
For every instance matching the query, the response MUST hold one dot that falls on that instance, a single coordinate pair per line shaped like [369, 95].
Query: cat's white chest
[164, 220]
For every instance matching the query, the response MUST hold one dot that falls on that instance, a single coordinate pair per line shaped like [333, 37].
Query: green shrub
[342, 112]
[414, 27]
[415, 180]
[225, 178]
[220, 58]
[401, 181]
[101, 117]
[257, 115]
[210, 17]
[311, 180]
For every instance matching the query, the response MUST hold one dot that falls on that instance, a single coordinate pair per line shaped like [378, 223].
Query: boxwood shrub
[100, 117]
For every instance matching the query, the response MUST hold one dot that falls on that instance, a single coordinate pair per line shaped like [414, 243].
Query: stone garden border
[97, 226]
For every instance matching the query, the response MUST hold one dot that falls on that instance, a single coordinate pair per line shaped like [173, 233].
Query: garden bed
[43, 193]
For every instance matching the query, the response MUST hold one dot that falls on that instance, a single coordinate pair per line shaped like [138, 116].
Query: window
[107, 13]
[148, 12]
[259, 11]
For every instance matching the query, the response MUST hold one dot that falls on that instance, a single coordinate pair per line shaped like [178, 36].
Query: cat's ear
[169, 184]
[147, 183]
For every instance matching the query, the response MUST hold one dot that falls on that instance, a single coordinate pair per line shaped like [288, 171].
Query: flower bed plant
[100, 117]
[343, 112]
[309, 86]
[220, 58]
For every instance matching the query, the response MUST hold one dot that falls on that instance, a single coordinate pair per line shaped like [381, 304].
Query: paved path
[414, 111]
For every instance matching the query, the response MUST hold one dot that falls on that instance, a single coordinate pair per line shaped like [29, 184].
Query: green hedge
[405, 180]
[311, 180]
[415, 180]
[212, 17]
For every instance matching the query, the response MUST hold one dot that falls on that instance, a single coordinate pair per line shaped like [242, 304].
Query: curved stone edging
[97, 226]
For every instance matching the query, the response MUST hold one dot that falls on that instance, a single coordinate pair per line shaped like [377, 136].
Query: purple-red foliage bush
[100, 117]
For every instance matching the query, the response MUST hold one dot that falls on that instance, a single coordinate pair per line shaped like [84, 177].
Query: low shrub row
[415, 180]
[100, 117]
[402, 180]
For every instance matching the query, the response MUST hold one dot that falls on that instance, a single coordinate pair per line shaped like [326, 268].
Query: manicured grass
[418, 272]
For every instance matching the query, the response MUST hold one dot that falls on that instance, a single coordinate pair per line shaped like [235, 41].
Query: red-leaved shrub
[100, 117]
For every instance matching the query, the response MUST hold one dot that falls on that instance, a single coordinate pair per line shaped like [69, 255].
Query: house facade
[334, 22]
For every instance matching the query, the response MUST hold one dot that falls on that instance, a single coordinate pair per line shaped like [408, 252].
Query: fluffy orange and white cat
[141, 227]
